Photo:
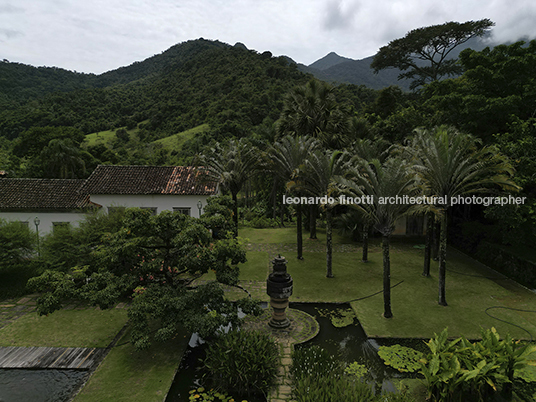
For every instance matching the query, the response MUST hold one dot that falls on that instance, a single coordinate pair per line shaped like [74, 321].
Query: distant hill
[329, 60]
[231, 88]
[337, 69]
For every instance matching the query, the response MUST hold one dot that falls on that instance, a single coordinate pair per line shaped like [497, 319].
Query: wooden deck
[50, 358]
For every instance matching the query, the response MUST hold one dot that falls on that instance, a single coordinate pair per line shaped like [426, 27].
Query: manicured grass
[286, 235]
[130, 375]
[256, 268]
[414, 302]
[65, 328]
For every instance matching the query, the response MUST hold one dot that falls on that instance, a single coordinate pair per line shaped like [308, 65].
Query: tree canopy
[424, 52]
[155, 261]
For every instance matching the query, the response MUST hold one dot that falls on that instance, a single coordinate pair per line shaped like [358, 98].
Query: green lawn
[287, 235]
[130, 375]
[126, 374]
[88, 328]
[414, 302]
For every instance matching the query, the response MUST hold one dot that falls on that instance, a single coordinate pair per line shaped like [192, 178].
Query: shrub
[319, 376]
[460, 370]
[262, 223]
[242, 362]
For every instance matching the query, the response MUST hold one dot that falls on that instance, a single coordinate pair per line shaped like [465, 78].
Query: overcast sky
[101, 35]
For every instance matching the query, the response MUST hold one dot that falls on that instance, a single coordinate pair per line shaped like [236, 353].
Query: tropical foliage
[154, 260]
[242, 362]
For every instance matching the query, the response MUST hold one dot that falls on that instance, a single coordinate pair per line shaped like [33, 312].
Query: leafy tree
[155, 260]
[380, 182]
[231, 165]
[16, 243]
[424, 52]
[450, 164]
[33, 141]
[495, 91]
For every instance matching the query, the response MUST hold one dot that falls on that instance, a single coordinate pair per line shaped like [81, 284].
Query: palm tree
[312, 110]
[287, 158]
[450, 164]
[366, 149]
[323, 169]
[380, 182]
[231, 165]
[62, 159]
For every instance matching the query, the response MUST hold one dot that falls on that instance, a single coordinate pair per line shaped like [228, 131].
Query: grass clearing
[135, 376]
[176, 141]
[90, 328]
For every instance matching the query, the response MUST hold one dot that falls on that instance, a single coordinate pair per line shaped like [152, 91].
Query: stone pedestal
[279, 288]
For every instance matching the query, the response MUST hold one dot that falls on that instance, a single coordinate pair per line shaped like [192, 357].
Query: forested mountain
[192, 83]
[338, 69]
[357, 72]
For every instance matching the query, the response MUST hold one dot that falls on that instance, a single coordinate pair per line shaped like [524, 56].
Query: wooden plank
[54, 358]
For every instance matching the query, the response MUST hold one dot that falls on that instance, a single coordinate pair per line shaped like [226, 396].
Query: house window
[183, 210]
[60, 225]
[152, 209]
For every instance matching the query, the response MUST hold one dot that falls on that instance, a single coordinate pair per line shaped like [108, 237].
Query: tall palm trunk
[443, 260]
[299, 230]
[435, 241]
[329, 243]
[365, 243]
[428, 244]
[387, 313]
[313, 211]
[235, 214]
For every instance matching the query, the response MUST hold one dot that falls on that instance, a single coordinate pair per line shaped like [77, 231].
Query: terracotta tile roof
[18, 194]
[137, 180]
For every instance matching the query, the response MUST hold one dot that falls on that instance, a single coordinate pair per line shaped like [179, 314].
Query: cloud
[10, 33]
[339, 14]
[7, 8]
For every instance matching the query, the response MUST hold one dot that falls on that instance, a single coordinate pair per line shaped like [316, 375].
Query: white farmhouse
[58, 201]
[43, 203]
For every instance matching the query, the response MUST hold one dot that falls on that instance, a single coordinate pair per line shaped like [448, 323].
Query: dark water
[18, 385]
[349, 343]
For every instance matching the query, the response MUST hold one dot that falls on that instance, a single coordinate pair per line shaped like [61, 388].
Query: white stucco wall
[160, 201]
[47, 219]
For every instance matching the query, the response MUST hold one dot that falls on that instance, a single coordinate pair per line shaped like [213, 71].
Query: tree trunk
[313, 211]
[299, 231]
[365, 243]
[282, 214]
[435, 241]
[428, 245]
[235, 214]
[329, 243]
[443, 260]
[387, 313]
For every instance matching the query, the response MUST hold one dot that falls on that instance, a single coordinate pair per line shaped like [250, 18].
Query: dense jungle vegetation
[172, 106]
